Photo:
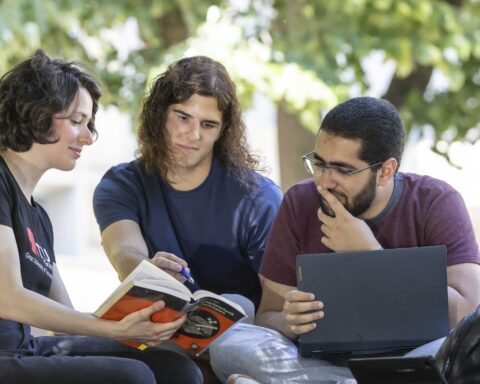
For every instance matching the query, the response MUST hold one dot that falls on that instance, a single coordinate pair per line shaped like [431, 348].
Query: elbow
[460, 305]
[9, 304]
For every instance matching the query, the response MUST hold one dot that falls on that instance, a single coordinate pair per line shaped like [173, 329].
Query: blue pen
[187, 275]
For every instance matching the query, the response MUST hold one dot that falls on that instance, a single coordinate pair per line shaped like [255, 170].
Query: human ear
[387, 171]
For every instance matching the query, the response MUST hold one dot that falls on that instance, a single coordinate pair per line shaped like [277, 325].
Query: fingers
[147, 312]
[326, 230]
[335, 205]
[169, 261]
[171, 264]
[300, 311]
[298, 296]
[140, 327]
[164, 331]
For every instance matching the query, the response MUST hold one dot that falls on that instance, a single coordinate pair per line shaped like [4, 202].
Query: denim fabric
[91, 360]
[271, 358]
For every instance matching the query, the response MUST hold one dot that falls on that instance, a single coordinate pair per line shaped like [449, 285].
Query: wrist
[109, 329]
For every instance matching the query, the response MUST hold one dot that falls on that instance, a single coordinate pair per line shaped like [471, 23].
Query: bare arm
[282, 308]
[22, 305]
[463, 290]
[125, 247]
[58, 292]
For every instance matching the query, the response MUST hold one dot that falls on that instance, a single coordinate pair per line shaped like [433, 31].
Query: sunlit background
[291, 60]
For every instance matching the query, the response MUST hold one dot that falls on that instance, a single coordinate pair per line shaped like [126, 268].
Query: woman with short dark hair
[47, 116]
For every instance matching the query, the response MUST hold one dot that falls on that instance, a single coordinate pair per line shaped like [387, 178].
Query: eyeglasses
[313, 165]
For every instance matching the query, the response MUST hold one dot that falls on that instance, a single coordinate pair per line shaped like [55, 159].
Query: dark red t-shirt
[422, 211]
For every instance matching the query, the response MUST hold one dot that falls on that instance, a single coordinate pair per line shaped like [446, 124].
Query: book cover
[208, 319]
[208, 315]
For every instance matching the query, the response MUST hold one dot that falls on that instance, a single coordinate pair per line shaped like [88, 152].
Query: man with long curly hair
[192, 199]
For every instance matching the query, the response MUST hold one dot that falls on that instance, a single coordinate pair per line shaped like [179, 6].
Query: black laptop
[376, 302]
[396, 370]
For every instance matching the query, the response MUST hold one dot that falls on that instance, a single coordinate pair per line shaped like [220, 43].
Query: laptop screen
[375, 301]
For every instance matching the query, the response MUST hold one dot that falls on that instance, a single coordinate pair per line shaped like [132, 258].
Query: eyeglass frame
[324, 166]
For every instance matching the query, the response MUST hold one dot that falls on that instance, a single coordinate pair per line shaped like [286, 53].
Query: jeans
[92, 360]
[271, 358]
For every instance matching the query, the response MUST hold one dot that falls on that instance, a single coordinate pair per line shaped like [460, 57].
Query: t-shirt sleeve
[262, 213]
[5, 205]
[116, 198]
[449, 223]
[283, 245]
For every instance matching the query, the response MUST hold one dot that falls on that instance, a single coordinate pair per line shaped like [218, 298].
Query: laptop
[396, 370]
[379, 302]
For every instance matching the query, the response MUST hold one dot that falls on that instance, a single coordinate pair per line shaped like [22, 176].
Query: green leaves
[308, 55]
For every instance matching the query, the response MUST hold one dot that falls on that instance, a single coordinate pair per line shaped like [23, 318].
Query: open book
[208, 314]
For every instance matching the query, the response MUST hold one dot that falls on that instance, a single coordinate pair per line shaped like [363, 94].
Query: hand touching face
[344, 232]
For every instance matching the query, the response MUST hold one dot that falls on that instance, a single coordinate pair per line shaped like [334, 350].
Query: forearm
[459, 306]
[463, 290]
[274, 320]
[125, 259]
[25, 306]
[125, 246]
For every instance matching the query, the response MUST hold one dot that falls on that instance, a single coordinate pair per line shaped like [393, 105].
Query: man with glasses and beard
[357, 200]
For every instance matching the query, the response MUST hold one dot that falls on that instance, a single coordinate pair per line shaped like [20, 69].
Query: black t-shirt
[34, 236]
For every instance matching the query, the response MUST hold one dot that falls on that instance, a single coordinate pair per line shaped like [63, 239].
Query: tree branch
[399, 88]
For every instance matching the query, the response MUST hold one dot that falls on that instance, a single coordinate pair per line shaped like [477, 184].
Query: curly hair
[32, 92]
[206, 77]
[374, 121]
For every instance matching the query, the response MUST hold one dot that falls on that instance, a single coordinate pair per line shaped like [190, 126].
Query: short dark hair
[182, 79]
[32, 92]
[374, 121]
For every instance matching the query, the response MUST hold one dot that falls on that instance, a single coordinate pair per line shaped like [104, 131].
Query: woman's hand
[139, 327]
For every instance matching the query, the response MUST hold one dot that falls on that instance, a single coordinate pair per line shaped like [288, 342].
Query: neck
[24, 170]
[380, 202]
[186, 179]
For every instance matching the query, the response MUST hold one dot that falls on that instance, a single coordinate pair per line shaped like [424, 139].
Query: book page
[198, 295]
[146, 270]
[171, 287]
[114, 297]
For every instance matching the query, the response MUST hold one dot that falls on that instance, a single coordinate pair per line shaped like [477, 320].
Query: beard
[358, 204]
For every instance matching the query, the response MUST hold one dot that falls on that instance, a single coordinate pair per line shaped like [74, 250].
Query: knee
[173, 367]
[134, 372]
[188, 372]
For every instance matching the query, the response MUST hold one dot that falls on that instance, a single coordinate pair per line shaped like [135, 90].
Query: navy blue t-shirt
[34, 236]
[219, 228]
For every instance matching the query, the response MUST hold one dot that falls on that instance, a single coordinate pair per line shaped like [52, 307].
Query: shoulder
[426, 187]
[264, 187]
[428, 196]
[126, 170]
[253, 186]
[6, 180]
[301, 199]
[302, 192]
[125, 174]
[7, 195]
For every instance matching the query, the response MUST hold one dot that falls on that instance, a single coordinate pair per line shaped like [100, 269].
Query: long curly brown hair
[206, 77]
[33, 91]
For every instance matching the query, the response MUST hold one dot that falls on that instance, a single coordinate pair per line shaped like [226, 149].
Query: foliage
[310, 54]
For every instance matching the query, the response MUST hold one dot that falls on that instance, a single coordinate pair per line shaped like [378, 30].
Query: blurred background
[291, 60]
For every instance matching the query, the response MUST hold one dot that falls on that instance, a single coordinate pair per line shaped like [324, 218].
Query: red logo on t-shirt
[33, 243]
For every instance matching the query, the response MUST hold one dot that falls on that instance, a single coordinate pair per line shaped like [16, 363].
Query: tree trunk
[293, 141]
[400, 87]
